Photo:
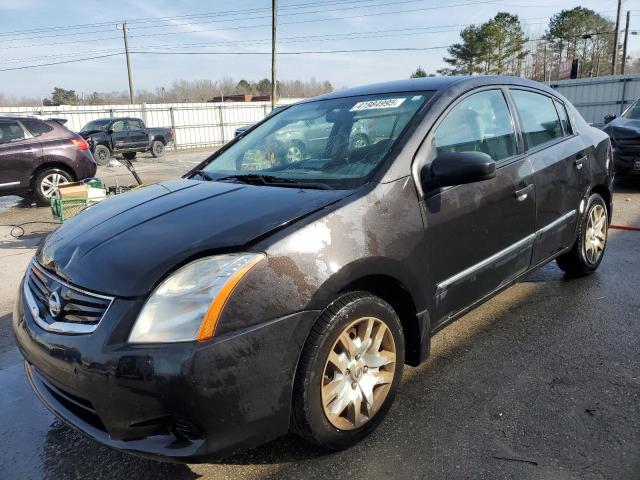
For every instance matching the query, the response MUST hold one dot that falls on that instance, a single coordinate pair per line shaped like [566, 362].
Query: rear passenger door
[138, 136]
[560, 164]
[19, 154]
[479, 235]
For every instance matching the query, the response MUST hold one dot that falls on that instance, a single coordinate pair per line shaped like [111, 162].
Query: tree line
[179, 91]
[499, 46]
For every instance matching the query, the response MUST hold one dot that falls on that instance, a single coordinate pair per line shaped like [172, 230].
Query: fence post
[264, 108]
[221, 124]
[173, 127]
[624, 94]
[143, 112]
[111, 112]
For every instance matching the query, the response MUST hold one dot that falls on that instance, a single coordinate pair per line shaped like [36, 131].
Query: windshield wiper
[255, 179]
[204, 175]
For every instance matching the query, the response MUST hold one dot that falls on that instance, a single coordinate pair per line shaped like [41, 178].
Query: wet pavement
[541, 382]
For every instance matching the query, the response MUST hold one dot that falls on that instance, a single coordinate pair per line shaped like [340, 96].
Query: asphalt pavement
[541, 382]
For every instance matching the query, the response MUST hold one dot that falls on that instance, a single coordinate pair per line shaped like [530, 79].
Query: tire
[295, 151]
[46, 182]
[359, 141]
[157, 149]
[101, 155]
[318, 415]
[129, 155]
[588, 251]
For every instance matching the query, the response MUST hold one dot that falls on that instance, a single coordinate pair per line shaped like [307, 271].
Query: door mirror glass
[609, 118]
[456, 168]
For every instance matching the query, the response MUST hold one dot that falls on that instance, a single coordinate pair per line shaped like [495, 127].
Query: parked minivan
[37, 155]
[259, 295]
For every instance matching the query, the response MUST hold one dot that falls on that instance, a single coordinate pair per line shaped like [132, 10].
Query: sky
[33, 32]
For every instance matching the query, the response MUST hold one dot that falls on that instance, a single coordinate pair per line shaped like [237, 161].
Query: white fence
[599, 96]
[195, 124]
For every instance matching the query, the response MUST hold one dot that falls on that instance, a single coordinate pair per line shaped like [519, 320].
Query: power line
[60, 63]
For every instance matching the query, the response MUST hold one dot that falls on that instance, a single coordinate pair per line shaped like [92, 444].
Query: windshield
[327, 143]
[633, 112]
[96, 125]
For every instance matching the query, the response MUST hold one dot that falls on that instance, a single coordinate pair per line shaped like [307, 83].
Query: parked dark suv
[38, 155]
[259, 295]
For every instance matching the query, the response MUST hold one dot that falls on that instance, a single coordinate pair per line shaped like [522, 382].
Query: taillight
[80, 143]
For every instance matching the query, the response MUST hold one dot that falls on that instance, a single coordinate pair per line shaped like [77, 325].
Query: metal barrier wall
[599, 96]
[195, 124]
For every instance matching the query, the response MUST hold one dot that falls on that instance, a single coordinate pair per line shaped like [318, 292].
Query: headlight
[186, 306]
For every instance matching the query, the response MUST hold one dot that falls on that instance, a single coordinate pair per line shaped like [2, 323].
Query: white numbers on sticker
[377, 104]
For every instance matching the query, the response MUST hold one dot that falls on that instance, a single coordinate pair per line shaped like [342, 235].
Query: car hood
[623, 128]
[124, 245]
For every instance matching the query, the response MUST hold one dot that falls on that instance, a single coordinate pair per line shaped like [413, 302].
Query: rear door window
[479, 123]
[135, 125]
[10, 131]
[538, 118]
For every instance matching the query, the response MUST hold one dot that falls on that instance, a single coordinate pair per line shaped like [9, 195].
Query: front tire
[587, 253]
[349, 371]
[102, 155]
[157, 149]
[46, 183]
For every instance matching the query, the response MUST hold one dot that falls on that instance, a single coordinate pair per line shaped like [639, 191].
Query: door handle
[579, 162]
[521, 194]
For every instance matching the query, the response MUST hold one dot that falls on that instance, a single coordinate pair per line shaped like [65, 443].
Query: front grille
[79, 311]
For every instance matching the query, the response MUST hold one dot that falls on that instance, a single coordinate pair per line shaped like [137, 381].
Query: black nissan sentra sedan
[262, 294]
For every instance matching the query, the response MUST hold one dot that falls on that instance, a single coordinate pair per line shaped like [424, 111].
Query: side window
[10, 132]
[564, 118]
[538, 116]
[118, 126]
[479, 123]
[36, 127]
[135, 125]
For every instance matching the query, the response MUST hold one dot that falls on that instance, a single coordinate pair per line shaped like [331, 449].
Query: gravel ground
[541, 382]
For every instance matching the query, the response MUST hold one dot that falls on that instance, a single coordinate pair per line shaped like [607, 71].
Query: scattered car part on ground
[36, 156]
[126, 136]
[260, 293]
[625, 139]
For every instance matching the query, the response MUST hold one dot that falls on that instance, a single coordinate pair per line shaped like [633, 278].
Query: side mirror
[609, 118]
[456, 168]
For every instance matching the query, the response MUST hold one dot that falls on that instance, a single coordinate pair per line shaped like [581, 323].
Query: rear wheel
[157, 149]
[349, 371]
[102, 155]
[295, 151]
[359, 141]
[46, 183]
[129, 155]
[586, 255]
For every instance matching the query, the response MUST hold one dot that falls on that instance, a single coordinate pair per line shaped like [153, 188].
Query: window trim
[553, 98]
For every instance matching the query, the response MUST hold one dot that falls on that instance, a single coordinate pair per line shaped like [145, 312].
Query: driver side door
[480, 235]
[119, 135]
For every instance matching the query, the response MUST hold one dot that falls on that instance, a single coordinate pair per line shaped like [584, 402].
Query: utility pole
[624, 45]
[274, 28]
[126, 51]
[615, 40]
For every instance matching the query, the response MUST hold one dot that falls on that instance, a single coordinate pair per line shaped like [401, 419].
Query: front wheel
[157, 149]
[586, 254]
[349, 371]
[102, 155]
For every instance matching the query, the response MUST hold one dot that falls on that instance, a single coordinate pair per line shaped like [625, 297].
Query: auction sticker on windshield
[377, 104]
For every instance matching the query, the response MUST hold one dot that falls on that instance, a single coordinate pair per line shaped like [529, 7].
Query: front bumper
[625, 161]
[187, 402]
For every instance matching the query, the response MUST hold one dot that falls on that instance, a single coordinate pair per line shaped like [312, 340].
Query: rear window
[538, 116]
[36, 127]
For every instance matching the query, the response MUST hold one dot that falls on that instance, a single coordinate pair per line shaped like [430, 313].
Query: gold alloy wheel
[358, 373]
[596, 234]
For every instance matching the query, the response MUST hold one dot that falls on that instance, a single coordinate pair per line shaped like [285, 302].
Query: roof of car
[433, 84]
